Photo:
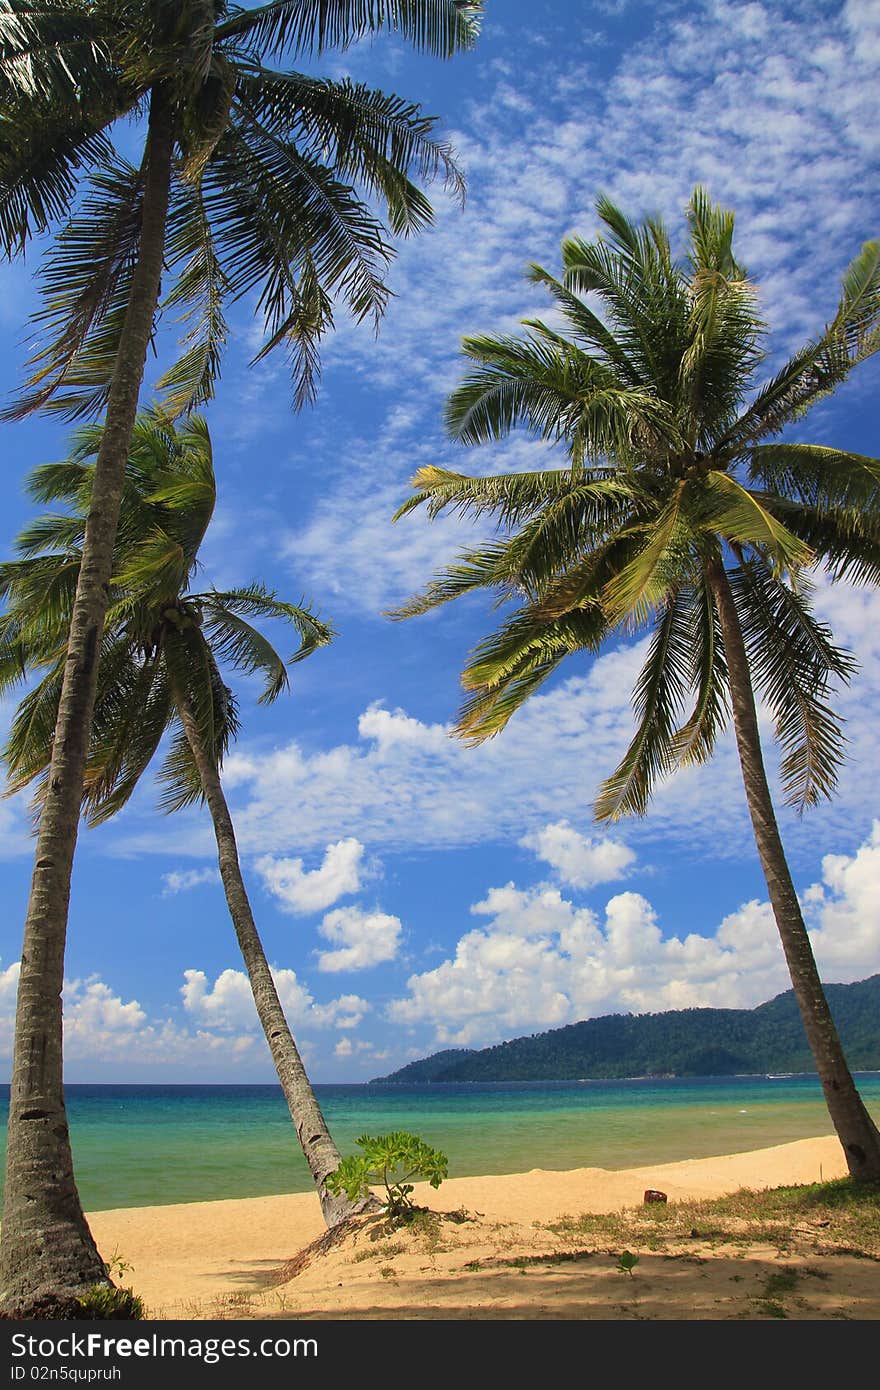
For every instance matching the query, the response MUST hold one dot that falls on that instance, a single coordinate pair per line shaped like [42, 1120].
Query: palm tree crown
[680, 514]
[160, 677]
[266, 167]
[673, 469]
[163, 644]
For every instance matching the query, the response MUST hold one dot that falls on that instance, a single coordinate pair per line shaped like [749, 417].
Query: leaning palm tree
[679, 512]
[247, 186]
[160, 682]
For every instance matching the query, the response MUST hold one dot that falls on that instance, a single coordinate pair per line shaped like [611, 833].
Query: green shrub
[390, 1161]
[105, 1301]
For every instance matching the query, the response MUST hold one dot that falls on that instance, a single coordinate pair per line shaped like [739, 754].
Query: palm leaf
[199, 293]
[658, 698]
[439, 27]
[747, 518]
[86, 280]
[794, 660]
[510, 665]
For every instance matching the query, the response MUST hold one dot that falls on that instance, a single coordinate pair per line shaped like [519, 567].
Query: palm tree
[246, 186]
[679, 512]
[163, 650]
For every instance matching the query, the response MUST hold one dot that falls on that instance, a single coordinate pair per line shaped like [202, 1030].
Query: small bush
[389, 1161]
[104, 1301]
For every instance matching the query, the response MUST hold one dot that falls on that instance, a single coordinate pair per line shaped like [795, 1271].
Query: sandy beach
[228, 1258]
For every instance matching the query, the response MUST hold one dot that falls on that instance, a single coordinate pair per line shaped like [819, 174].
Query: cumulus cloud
[91, 1008]
[845, 908]
[542, 961]
[8, 994]
[580, 861]
[405, 783]
[361, 939]
[100, 1028]
[228, 1004]
[303, 891]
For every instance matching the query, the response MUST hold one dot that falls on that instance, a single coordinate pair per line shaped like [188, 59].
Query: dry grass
[841, 1217]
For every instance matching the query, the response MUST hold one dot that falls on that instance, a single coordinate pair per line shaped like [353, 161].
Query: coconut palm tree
[681, 513]
[159, 679]
[246, 187]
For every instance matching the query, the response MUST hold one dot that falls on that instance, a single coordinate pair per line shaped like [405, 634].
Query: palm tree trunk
[856, 1130]
[46, 1244]
[320, 1151]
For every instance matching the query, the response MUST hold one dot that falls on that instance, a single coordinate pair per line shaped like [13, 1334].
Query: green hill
[683, 1042]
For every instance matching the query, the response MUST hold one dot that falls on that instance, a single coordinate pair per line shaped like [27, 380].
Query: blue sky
[413, 893]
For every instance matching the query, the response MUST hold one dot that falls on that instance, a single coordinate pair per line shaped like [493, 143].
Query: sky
[413, 893]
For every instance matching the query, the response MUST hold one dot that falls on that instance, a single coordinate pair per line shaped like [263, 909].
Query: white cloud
[542, 962]
[846, 909]
[8, 995]
[92, 1009]
[774, 108]
[361, 938]
[183, 880]
[304, 891]
[102, 1028]
[405, 782]
[344, 1048]
[579, 860]
[228, 1003]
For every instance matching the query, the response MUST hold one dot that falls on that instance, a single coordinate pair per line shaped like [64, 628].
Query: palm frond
[85, 283]
[586, 325]
[694, 742]
[198, 293]
[511, 497]
[196, 684]
[818, 475]
[510, 665]
[658, 699]
[133, 710]
[794, 661]
[28, 747]
[256, 601]
[373, 139]
[41, 163]
[285, 226]
[644, 583]
[747, 518]
[845, 540]
[558, 393]
[51, 52]
[439, 27]
[821, 366]
[244, 647]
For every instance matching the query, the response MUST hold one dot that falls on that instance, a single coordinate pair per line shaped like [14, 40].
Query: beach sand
[210, 1259]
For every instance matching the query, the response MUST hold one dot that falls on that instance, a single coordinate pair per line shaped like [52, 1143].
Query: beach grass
[842, 1216]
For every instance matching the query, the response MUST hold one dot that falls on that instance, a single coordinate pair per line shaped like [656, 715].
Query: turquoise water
[147, 1145]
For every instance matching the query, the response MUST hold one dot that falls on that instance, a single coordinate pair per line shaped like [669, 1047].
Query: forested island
[682, 1042]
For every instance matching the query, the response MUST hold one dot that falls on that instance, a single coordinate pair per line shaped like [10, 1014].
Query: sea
[140, 1146]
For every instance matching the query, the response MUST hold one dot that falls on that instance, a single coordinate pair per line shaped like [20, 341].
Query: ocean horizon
[146, 1145]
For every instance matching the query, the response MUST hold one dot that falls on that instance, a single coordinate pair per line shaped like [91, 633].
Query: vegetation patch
[841, 1217]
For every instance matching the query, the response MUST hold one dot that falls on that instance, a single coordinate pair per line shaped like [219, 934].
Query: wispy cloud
[184, 880]
[773, 107]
